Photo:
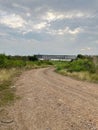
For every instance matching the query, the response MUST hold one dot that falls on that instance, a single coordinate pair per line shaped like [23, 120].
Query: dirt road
[50, 101]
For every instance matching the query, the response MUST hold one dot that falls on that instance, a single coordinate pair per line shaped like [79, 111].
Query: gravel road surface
[49, 101]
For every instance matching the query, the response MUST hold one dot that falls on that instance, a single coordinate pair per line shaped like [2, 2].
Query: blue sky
[48, 27]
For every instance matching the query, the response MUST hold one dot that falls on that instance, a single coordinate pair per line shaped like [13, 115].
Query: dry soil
[49, 101]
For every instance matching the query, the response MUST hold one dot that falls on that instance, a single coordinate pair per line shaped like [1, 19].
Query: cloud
[13, 21]
[67, 30]
[77, 14]
[28, 14]
[59, 25]
[75, 31]
[32, 27]
[52, 15]
[86, 49]
[25, 26]
[40, 26]
[20, 6]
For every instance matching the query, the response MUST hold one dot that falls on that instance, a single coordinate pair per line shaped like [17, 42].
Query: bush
[81, 56]
[32, 58]
[1, 60]
[82, 65]
[84, 68]
[6, 62]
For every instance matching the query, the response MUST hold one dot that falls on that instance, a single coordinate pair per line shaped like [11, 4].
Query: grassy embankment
[10, 68]
[83, 68]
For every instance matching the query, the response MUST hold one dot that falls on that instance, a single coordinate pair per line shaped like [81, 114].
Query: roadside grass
[7, 92]
[37, 64]
[82, 69]
[59, 65]
[8, 74]
[85, 76]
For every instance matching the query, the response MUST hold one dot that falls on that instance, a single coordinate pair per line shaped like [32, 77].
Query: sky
[67, 27]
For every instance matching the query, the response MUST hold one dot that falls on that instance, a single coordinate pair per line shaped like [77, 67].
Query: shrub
[32, 58]
[6, 62]
[82, 65]
[81, 56]
[3, 60]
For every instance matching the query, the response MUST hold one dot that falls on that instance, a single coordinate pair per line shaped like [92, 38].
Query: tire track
[50, 101]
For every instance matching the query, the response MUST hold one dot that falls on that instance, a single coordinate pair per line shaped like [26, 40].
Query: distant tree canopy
[32, 58]
[15, 61]
[3, 59]
[25, 58]
[81, 56]
[82, 63]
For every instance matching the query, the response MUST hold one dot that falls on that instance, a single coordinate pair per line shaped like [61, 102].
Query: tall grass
[7, 92]
[84, 68]
[10, 67]
[20, 62]
[37, 64]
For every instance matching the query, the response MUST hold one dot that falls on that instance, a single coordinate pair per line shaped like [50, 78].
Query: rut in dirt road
[50, 101]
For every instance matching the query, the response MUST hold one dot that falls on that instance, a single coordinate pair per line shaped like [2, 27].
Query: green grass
[82, 69]
[85, 76]
[37, 64]
[7, 96]
[60, 64]
[9, 71]
[7, 77]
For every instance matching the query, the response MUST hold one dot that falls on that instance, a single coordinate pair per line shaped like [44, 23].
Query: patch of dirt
[50, 101]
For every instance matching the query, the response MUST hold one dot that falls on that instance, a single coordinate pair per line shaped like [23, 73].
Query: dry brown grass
[7, 92]
[81, 75]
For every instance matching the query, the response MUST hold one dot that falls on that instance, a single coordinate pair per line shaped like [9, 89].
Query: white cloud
[25, 26]
[52, 15]
[34, 27]
[86, 49]
[13, 21]
[76, 14]
[75, 31]
[28, 14]
[67, 30]
[40, 26]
